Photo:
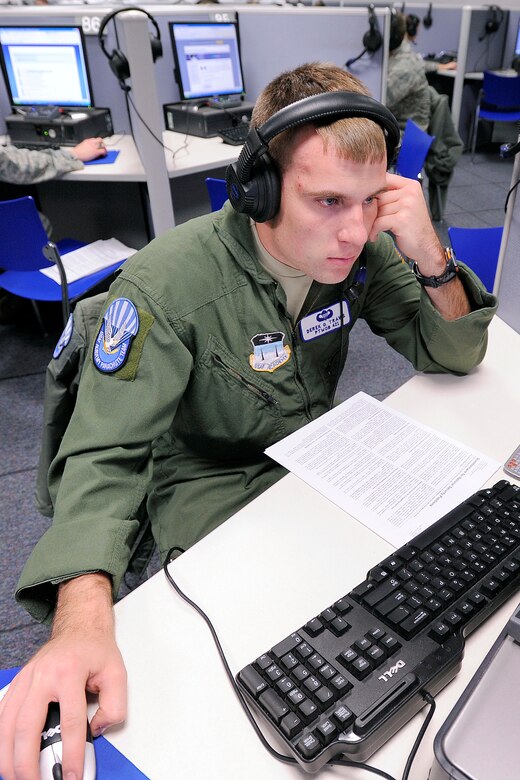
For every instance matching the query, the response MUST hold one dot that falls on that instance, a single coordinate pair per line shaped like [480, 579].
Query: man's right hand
[82, 655]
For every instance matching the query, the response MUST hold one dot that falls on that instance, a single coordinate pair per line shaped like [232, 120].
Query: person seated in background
[31, 166]
[409, 96]
[407, 89]
[430, 66]
[210, 348]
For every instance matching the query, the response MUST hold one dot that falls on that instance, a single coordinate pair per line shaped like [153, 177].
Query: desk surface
[193, 154]
[184, 720]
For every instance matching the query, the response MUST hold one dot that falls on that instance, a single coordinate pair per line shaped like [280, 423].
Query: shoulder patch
[119, 325]
[64, 338]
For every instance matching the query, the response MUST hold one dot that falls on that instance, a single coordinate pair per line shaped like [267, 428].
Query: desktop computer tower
[67, 129]
[204, 121]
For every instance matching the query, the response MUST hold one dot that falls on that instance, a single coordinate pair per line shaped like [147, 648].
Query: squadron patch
[321, 322]
[119, 326]
[64, 338]
[269, 351]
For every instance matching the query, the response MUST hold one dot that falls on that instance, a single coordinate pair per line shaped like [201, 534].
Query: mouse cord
[279, 756]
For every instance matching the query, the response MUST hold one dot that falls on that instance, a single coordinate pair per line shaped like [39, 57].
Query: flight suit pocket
[236, 408]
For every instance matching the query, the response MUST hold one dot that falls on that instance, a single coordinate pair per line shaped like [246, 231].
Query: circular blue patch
[112, 346]
[64, 338]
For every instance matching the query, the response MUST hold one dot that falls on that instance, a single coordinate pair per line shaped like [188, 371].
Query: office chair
[415, 145]
[478, 248]
[498, 101]
[23, 241]
[217, 192]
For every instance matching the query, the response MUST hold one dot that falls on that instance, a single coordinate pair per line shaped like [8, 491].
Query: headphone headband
[326, 106]
[105, 20]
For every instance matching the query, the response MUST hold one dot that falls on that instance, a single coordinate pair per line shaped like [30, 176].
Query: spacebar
[377, 711]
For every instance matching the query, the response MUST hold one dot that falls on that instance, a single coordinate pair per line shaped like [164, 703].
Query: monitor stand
[224, 101]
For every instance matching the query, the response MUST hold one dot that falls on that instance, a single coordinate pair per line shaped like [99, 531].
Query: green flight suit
[187, 418]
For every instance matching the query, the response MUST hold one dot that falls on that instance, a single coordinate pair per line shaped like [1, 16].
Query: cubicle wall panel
[276, 39]
[509, 262]
[443, 34]
[486, 49]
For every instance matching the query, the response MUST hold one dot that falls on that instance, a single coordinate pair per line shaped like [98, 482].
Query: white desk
[127, 166]
[184, 721]
[194, 154]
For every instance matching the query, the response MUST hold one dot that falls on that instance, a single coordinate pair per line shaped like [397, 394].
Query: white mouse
[51, 748]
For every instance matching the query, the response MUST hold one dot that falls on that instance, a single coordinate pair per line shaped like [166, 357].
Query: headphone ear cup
[372, 40]
[157, 49]
[259, 198]
[119, 65]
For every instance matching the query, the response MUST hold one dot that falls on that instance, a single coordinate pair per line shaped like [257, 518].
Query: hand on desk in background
[81, 655]
[89, 149]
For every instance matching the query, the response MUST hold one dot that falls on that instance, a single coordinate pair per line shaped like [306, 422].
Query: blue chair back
[217, 192]
[415, 145]
[22, 236]
[478, 248]
[503, 91]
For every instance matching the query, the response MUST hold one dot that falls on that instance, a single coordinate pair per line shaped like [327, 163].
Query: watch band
[450, 273]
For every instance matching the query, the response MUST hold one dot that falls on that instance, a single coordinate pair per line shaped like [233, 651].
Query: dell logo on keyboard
[393, 670]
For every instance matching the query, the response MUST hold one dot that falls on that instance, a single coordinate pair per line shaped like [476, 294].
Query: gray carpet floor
[476, 198]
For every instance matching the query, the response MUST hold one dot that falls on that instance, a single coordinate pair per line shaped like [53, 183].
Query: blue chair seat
[217, 192]
[498, 101]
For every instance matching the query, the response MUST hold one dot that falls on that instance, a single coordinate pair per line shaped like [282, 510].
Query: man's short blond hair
[356, 138]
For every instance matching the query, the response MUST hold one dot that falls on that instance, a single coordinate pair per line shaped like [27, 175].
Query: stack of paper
[89, 259]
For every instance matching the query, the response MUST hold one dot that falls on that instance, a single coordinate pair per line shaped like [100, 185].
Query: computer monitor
[517, 45]
[207, 59]
[45, 66]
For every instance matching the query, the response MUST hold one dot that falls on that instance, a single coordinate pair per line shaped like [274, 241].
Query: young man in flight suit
[218, 339]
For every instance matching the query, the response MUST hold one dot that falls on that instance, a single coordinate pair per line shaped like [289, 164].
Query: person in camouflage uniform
[31, 166]
[407, 92]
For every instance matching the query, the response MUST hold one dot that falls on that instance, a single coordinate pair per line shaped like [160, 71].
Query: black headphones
[253, 182]
[412, 25]
[117, 60]
[428, 19]
[397, 30]
[493, 22]
[372, 39]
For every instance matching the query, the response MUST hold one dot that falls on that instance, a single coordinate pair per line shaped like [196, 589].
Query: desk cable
[172, 553]
[126, 90]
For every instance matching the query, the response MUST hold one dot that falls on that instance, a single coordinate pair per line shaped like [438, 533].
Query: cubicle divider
[507, 282]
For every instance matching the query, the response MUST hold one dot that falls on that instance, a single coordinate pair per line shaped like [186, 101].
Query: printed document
[90, 258]
[391, 473]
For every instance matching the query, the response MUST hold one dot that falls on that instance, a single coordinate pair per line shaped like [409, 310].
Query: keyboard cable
[171, 555]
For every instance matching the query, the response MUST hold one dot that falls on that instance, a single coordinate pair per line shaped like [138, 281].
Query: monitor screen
[45, 66]
[517, 46]
[207, 59]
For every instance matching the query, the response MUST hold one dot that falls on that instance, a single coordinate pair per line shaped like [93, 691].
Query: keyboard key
[341, 684]
[308, 710]
[314, 627]
[326, 731]
[309, 745]
[291, 725]
[287, 645]
[381, 592]
[339, 626]
[252, 681]
[342, 606]
[440, 632]
[273, 704]
[343, 716]
[361, 667]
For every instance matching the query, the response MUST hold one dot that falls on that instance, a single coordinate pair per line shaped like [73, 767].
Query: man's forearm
[85, 602]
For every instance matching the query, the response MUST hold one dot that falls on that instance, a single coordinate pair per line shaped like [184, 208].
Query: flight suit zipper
[263, 394]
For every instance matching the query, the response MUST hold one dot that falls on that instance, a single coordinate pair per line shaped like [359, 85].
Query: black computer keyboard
[354, 674]
[234, 135]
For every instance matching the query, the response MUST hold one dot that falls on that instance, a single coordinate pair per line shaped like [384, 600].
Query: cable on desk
[126, 88]
[170, 556]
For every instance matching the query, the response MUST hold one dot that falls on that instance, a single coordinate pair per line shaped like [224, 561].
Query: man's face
[328, 206]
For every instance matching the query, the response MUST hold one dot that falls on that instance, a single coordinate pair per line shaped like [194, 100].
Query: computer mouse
[51, 748]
